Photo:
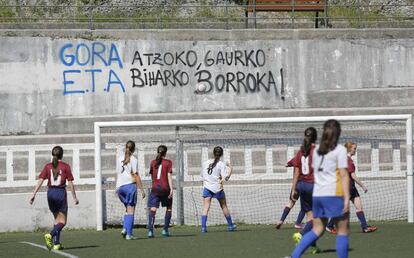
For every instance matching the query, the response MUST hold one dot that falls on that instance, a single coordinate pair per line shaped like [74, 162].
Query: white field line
[54, 251]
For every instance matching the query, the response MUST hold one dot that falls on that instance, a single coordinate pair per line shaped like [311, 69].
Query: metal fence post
[226, 12]
[254, 14]
[179, 180]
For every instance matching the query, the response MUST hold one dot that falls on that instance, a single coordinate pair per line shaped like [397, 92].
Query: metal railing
[224, 16]
[21, 164]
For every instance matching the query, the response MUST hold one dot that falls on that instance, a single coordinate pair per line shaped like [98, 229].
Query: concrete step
[84, 125]
[395, 97]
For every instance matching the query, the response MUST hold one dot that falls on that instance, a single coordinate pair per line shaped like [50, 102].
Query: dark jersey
[305, 165]
[159, 177]
[351, 169]
[58, 180]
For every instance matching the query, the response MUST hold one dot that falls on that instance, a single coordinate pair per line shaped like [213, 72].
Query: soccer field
[391, 240]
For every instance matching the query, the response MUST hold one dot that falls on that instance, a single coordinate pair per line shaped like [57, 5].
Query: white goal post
[240, 121]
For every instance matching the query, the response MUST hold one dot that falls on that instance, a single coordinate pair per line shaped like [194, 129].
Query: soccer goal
[258, 149]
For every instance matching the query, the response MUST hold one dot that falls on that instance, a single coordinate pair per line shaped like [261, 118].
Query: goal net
[258, 150]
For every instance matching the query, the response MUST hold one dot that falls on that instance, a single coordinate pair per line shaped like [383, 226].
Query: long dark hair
[217, 152]
[129, 150]
[57, 154]
[330, 136]
[309, 138]
[161, 152]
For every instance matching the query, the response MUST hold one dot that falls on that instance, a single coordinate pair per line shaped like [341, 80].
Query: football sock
[167, 220]
[56, 232]
[306, 241]
[300, 217]
[342, 246]
[362, 219]
[308, 226]
[286, 211]
[229, 221]
[129, 223]
[151, 220]
[204, 221]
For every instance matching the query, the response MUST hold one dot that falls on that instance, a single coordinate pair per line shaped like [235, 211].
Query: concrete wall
[261, 204]
[47, 74]
[18, 215]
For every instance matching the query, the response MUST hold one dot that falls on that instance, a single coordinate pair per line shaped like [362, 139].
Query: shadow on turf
[334, 250]
[225, 230]
[81, 247]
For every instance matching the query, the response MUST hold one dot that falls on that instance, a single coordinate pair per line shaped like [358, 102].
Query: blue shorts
[305, 191]
[56, 198]
[209, 194]
[128, 194]
[327, 207]
[155, 200]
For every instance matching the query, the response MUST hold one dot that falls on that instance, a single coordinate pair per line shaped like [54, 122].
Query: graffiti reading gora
[96, 61]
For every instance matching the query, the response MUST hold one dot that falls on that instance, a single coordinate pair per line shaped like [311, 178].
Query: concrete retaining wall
[18, 215]
[48, 74]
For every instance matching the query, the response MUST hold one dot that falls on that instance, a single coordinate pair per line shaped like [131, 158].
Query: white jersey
[326, 172]
[212, 179]
[125, 173]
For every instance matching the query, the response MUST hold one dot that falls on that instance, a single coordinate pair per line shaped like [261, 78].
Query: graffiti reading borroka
[236, 71]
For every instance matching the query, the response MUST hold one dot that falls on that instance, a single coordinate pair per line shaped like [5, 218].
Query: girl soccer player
[289, 206]
[57, 173]
[354, 194]
[330, 192]
[161, 191]
[212, 174]
[127, 181]
[303, 180]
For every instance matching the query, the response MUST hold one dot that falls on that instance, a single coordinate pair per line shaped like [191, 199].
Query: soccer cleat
[279, 225]
[331, 230]
[123, 233]
[297, 237]
[232, 228]
[49, 241]
[128, 237]
[165, 233]
[369, 229]
[58, 247]
[150, 234]
[203, 230]
[314, 250]
[298, 226]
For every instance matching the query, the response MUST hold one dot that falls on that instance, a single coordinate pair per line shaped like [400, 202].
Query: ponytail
[212, 165]
[308, 140]
[330, 136]
[217, 152]
[57, 154]
[161, 152]
[129, 149]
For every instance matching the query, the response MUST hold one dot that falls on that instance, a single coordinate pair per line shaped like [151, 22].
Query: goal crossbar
[193, 122]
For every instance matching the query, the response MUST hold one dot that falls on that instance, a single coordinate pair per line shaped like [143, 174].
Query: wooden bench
[254, 6]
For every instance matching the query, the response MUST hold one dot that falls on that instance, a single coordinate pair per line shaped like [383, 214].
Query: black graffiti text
[237, 82]
[142, 78]
[186, 58]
